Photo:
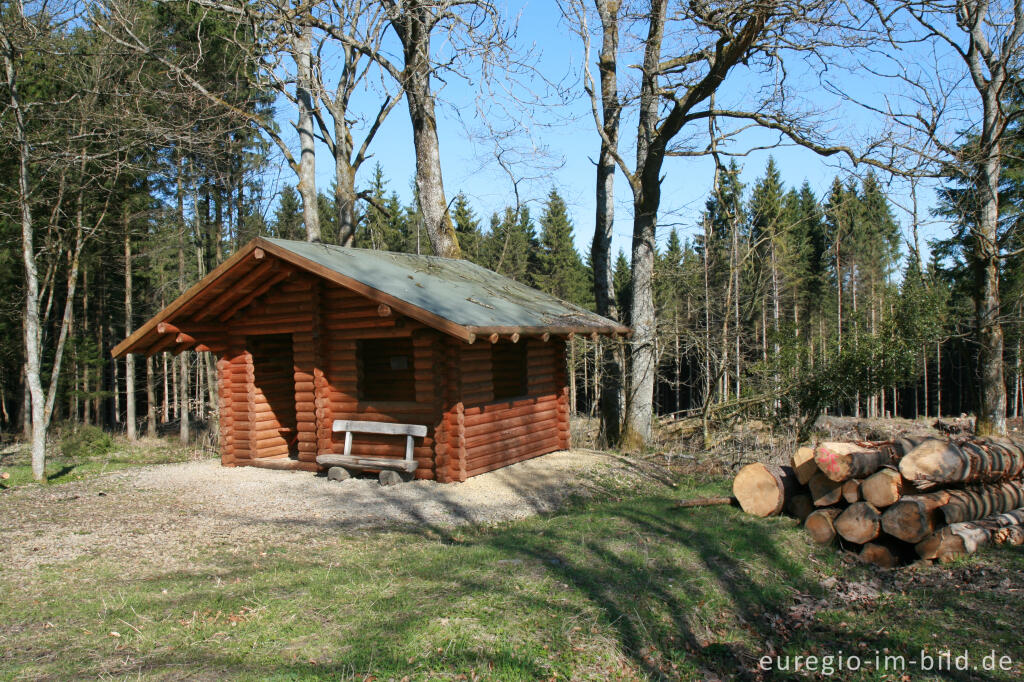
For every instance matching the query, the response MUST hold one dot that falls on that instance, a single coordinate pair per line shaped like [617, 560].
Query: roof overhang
[197, 317]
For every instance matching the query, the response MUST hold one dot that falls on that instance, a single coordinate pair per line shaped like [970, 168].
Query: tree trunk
[165, 414]
[150, 399]
[182, 386]
[959, 539]
[129, 368]
[601, 252]
[915, 516]
[344, 191]
[26, 406]
[32, 331]
[843, 461]
[637, 429]
[984, 262]
[307, 142]
[412, 23]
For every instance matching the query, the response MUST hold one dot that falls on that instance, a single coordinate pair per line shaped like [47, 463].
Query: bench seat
[350, 461]
[366, 463]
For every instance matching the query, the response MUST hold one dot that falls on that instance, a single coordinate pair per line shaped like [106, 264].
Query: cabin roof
[454, 296]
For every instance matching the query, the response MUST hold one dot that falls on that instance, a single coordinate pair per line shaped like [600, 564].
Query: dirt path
[164, 514]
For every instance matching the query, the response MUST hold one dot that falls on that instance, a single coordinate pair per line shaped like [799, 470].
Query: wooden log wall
[346, 318]
[241, 396]
[454, 418]
[263, 410]
[500, 433]
[274, 419]
[229, 365]
[306, 359]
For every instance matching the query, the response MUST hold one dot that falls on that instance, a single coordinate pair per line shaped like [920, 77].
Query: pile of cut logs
[897, 501]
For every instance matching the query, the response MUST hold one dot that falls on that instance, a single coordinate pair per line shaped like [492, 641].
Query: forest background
[800, 208]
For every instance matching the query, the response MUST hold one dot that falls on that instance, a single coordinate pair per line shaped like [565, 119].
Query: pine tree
[806, 223]
[560, 270]
[383, 223]
[668, 273]
[511, 245]
[287, 223]
[467, 228]
[621, 280]
[770, 238]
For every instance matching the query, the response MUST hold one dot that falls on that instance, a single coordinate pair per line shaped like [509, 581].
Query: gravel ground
[165, 514]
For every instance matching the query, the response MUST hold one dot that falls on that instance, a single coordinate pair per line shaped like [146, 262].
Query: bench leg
[348, 442]
[408, 448]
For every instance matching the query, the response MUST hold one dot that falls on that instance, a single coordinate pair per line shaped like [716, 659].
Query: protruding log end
[762, 490]
[820, 525]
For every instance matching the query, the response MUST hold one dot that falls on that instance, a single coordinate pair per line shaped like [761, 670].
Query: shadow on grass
[65, 470]
[666, 593]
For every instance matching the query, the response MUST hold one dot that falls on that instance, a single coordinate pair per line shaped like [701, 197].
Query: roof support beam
[259, 291]
[249, 280]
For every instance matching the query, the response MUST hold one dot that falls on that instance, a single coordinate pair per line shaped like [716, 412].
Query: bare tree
[59, 138]
[686, 55]
[604, 219]
[303, 55]
[957, 122]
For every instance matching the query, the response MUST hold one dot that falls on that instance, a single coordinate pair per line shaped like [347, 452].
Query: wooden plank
[342, 425]
[246, 281]
[366, 463]
[256, 293]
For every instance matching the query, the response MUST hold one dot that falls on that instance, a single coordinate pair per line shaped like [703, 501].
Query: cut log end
[803, 464]
[859, 523]
[762, 490]
[824, 491]
[883, 488]
[851, 490]
[910, 520]
[820, 525]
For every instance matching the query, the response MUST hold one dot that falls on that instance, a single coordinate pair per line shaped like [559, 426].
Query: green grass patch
[626, 587]
[88, 451]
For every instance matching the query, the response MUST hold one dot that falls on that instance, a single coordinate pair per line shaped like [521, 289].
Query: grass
[626, 587]
[86, 453]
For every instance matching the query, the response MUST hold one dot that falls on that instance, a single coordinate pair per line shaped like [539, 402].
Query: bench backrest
[342, 425]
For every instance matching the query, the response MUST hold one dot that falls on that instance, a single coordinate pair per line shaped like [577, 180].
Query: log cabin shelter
[307, 334]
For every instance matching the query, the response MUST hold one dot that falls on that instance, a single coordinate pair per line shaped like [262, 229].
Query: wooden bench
[350, 461]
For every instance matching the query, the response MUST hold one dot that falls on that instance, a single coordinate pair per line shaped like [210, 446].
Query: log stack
[897, 501]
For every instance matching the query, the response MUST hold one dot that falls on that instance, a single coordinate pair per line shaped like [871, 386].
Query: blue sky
[570, 143]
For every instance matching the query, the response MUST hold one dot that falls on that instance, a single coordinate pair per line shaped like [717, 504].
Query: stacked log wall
[346, 319]
[274, 416]
[452, 450]
[285, 309]
[242, 395]
[499, 433]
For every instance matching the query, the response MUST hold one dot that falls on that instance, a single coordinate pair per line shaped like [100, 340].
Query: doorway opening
[274, 427]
